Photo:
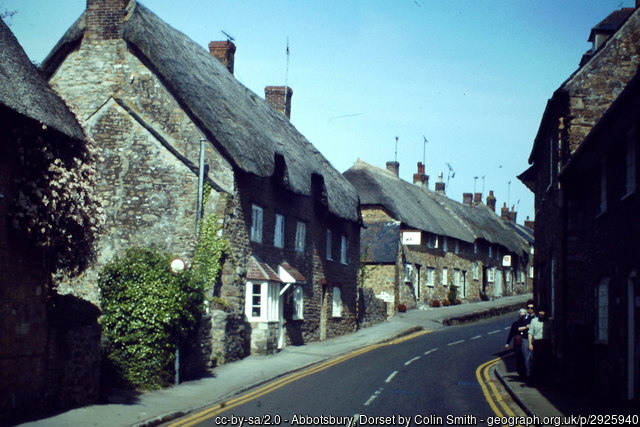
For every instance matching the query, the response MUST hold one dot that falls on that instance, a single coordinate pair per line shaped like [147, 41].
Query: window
[445, 244]
[456, 277]
[456, 248]
[298, 303]
[491, 274]
[630, 174]
[256, 223]
[329, 254]
[475, 247]
[509, 279]
[337, 302]
[408, 273]
[262, 302]
[603, 311]
[490, 251]
[603, 186]
[343, 250]
[301, 232]
[278, 237]
[444, 276]
[430, 276]
[433, 241]
[531, 272]
[476, 271]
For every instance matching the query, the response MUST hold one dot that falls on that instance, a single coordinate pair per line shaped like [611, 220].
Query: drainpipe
[200, 186]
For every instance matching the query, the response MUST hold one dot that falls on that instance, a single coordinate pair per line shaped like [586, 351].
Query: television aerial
[230, 38]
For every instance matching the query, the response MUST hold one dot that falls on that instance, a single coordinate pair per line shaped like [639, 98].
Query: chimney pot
[491, 201]
[477, 198]
[531, 224]
[394, 167]
[225, 51]
[421, 165]
[467, 198]
[279, 98]
[440, 188]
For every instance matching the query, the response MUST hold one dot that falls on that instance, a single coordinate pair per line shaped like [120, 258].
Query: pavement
[226, 381]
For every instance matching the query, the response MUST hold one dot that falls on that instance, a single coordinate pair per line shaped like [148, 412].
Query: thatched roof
[25, 91]
[379, 242]
[430, 211]
[240, 124]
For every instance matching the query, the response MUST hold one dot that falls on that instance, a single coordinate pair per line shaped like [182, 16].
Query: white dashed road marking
[508, 327]
[390, 377]
[455, 342]
[408, 362]
[476, 337]
[430, 351]
[373, 397]
[494, 332]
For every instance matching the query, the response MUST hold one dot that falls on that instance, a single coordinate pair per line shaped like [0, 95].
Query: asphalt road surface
[426, 380]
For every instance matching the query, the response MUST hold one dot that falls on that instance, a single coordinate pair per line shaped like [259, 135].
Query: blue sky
[473, 77]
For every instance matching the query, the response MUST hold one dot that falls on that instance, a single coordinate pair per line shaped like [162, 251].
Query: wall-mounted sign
[411, 237]
[506, 261]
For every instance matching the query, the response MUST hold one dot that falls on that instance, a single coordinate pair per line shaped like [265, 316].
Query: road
[427, 380]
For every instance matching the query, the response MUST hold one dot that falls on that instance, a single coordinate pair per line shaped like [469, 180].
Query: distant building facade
[418, 243]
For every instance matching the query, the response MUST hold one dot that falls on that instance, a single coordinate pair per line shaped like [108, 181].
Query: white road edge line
[408, 362]
[371, 399]
[430, 351]
[493, 332]
[476, 337]
[390, 377]
[455, 342]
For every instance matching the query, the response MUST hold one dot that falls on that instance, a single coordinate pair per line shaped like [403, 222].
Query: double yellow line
[491, 392]
[261, 391]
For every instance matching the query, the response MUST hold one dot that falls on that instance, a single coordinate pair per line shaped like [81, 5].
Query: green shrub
[452, 296]
[146, 310]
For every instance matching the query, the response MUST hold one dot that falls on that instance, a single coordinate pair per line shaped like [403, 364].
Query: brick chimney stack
[105, 19]
[279, 98]
[440, 185]
[477, 198]
[512, 215]
[504, 212]
[491, 201]
[467, 198]
[225, 51]
[420, 179]
[394, 167]
[531, 224]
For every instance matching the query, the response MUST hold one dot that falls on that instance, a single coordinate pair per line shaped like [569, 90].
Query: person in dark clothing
[517, 333]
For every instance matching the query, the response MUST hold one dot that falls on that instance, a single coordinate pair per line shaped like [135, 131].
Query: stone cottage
[150, 97]
[48, 359]
[417, 243]
[575, 282]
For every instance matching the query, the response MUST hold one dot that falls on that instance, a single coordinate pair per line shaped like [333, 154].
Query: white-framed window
[603, 186]
[256, 224]
[508, 274]
[262, 301]
[490, 251]
[522, 278]
[456, 277]
[433, 241]
[445, 274]
[445, 244]
[431, 273]
[329, 254]
[278, 235]
[301, 235]
[630, 166]
[491, 274]
[603, 311]
[408, 272]
[456, 247]
[337, 302]
[298, 303]
[531, 273]
[343, 250]
[476, 271]
[475, 247]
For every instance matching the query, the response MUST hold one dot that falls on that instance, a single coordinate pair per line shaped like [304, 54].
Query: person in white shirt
[539, 346]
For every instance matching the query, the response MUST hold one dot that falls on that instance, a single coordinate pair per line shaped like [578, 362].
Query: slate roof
[25, 91]
[430, 211]
[379, 242]
[241, 125]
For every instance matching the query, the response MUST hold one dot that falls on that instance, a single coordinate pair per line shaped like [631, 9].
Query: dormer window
[318, 190]
[280, 173]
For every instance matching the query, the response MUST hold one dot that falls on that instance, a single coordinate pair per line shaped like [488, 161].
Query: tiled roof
[293, 272]
[261, 271]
